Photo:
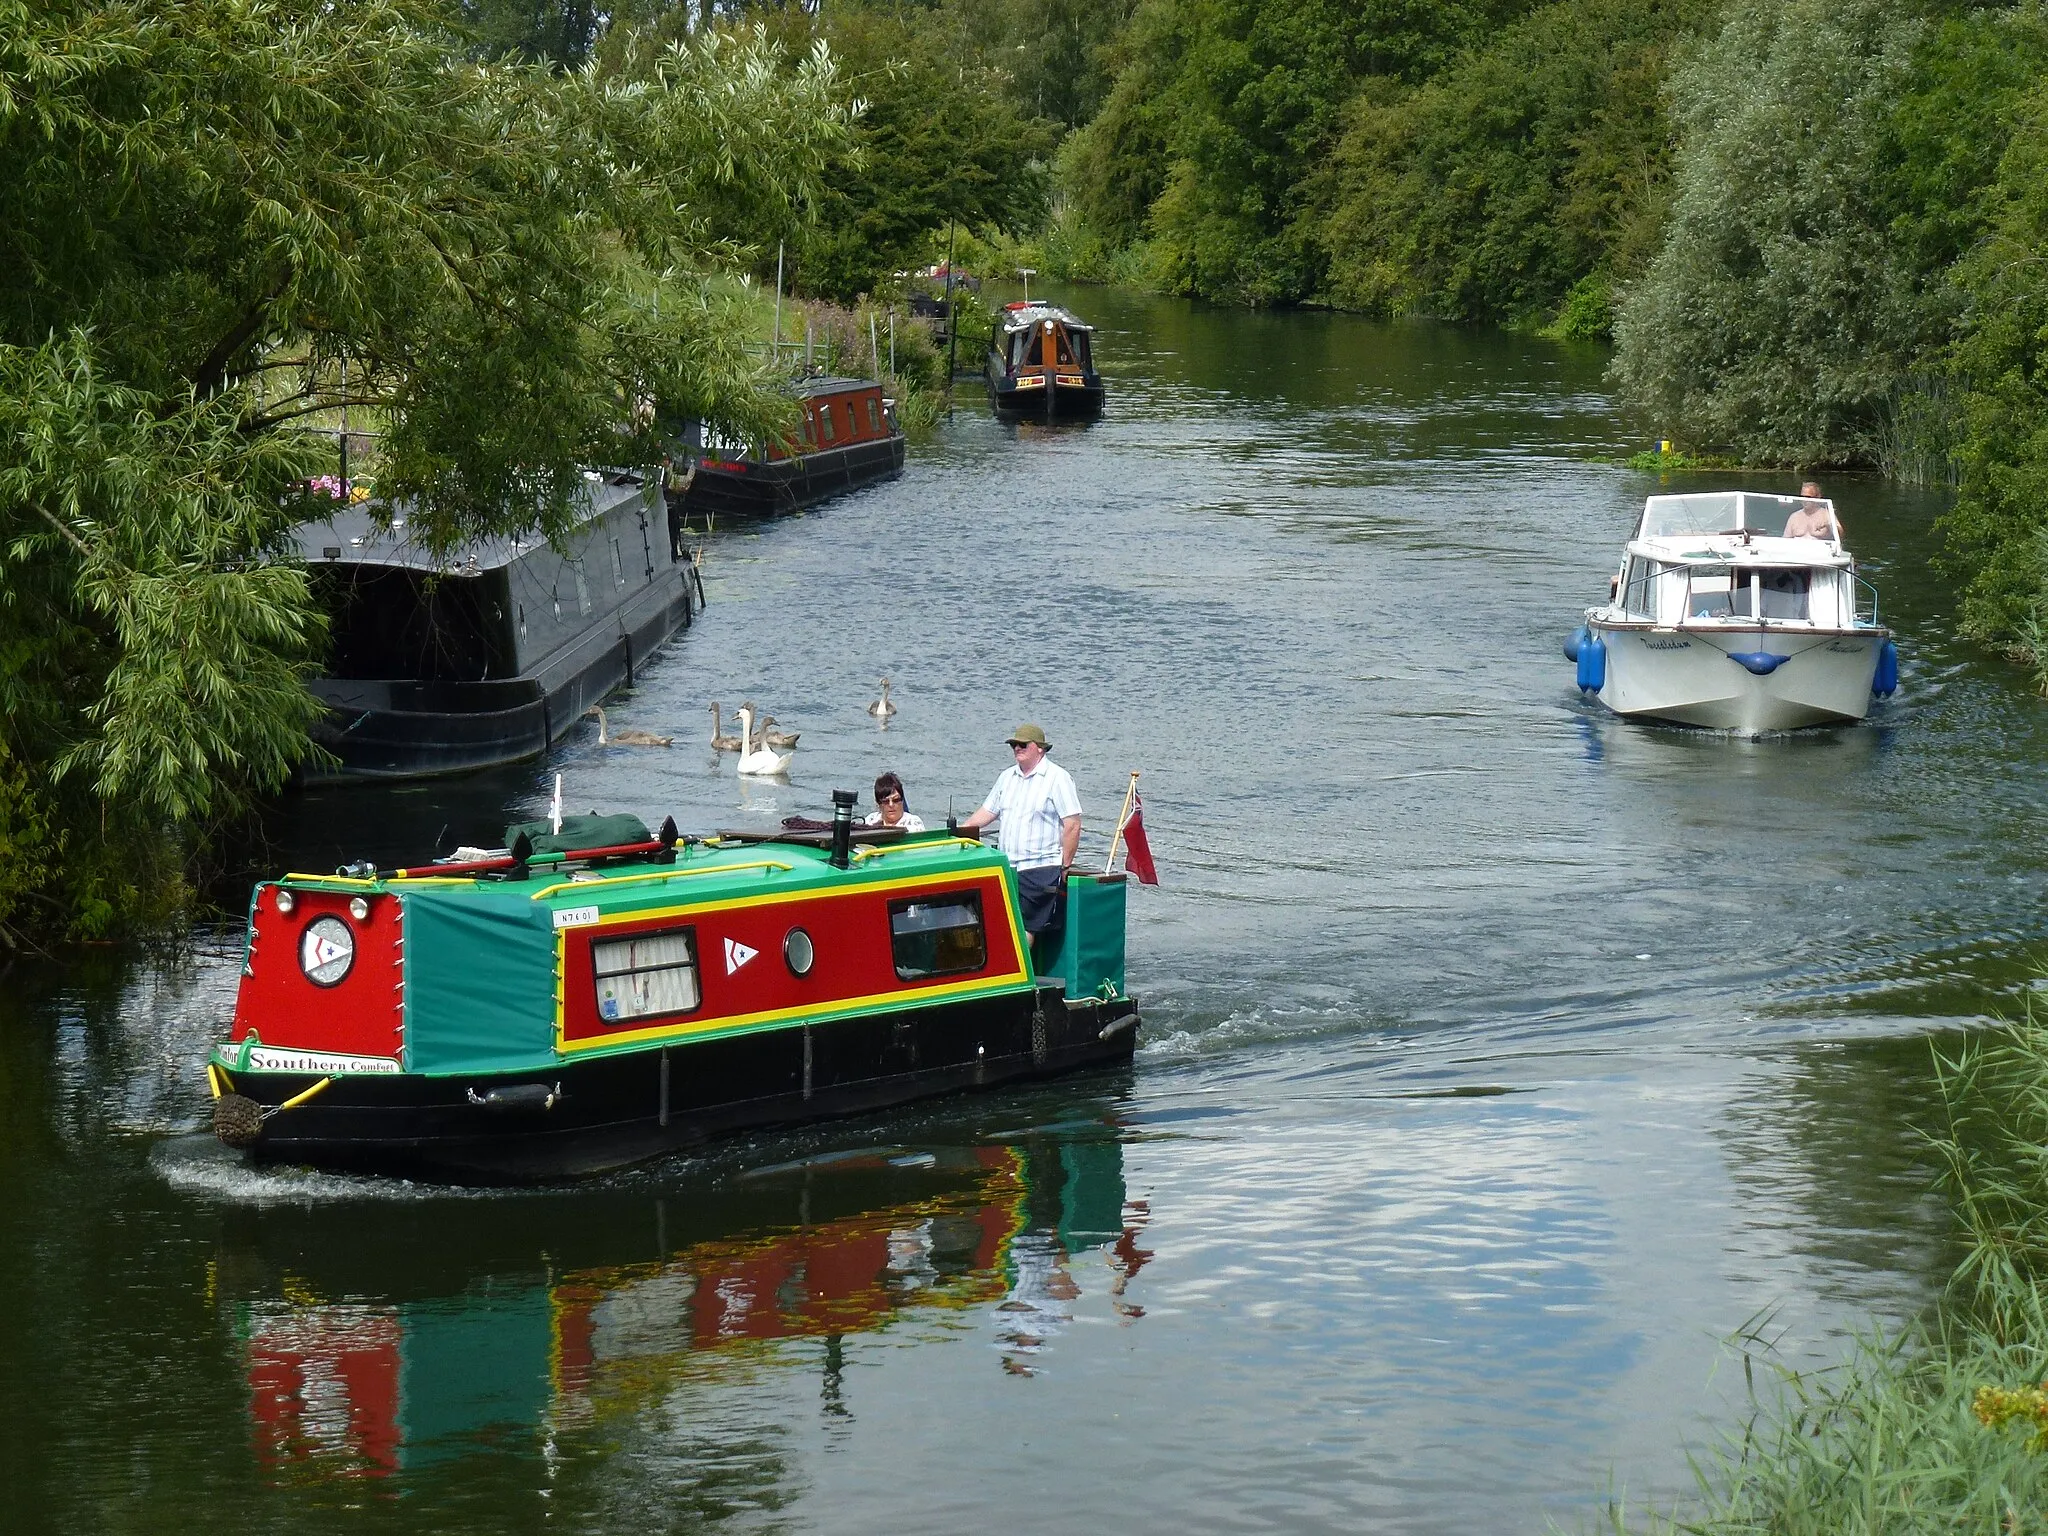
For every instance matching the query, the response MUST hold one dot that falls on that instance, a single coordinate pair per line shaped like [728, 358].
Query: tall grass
[1942, 1426]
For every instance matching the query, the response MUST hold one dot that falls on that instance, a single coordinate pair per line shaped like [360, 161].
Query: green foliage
[1216, 136]
[1778, 312]
[939, 141]
[221, 220]
[1998, 529]
[1529, 174]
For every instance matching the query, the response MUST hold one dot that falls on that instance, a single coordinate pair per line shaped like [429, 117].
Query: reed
[1941, 1426]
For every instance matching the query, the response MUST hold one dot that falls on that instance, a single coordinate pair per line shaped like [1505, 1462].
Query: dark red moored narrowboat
[1041, 362]
[848, 437]
[594, 996]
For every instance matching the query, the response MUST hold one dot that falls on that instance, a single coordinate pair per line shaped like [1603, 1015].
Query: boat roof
[1020, 315]
[369, 534]
[707, 871]
[827, 384]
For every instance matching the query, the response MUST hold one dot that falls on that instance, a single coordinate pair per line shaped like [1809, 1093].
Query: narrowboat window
[618, 566]
[825, 420]
[1082, 351]
[645, 976]
[874, 414]
[938, 935]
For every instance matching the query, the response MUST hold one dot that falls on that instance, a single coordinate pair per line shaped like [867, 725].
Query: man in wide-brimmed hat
[1038, 816]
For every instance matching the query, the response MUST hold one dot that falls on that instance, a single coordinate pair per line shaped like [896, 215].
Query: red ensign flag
[1137, 851]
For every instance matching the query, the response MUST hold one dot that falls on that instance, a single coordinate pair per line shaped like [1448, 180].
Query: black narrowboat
[446, 666]
[595, 996]
[847, 437]
[1041, 362]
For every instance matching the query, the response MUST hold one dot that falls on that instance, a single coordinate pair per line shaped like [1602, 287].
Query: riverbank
[1942, 1426]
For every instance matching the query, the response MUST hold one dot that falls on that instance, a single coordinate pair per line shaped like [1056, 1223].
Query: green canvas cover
[1092, 949]
[592, 831]
[479, 980]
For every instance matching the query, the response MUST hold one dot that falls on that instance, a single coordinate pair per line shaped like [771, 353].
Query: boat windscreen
[1719, 512]
[1711, 512]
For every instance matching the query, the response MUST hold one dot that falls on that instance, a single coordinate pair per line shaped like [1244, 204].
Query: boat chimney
[842, 826]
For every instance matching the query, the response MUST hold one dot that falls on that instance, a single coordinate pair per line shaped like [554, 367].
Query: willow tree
[221, 221]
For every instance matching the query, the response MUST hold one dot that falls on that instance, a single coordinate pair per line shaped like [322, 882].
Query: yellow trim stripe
[747, 1022]
[614, 881]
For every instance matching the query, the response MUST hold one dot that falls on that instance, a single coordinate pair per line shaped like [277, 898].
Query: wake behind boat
[1739, 611]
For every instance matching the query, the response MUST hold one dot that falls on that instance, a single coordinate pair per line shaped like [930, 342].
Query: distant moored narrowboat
[1041, 362]
[597, 996]
[847, 437]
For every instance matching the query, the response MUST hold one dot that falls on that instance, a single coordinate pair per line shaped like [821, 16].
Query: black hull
[618, 1110]
[767, 487]
[1059, 403]
[400, 730]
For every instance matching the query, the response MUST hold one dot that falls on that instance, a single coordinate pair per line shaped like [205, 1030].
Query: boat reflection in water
[521, 1347]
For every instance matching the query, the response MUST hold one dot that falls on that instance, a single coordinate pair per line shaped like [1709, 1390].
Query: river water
[1501, 1061]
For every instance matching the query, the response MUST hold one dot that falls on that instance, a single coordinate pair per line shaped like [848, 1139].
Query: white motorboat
[1737, 611]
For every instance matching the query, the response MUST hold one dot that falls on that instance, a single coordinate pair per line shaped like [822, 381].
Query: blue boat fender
[1574, 640]
[1886, 683]
[1762, 663]
[1592, 659]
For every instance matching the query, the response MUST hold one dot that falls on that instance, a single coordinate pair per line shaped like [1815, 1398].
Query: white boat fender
[1762, 663]
[517, 1098]
[1886, 683]
[1573, 641]
[1592, 659]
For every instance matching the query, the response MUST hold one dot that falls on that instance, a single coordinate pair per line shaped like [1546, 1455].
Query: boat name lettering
[574, 917]
[1845, 647]
[1666, 645]
[266, 1058]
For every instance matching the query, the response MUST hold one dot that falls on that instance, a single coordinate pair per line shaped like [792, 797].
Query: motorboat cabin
[1739, 611]
[1041, 362]
[847, 436]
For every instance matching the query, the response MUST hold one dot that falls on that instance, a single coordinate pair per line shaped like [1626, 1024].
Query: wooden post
[1122, 816]
[778, 293]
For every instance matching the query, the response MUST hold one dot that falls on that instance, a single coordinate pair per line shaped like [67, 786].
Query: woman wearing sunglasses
[891, 808]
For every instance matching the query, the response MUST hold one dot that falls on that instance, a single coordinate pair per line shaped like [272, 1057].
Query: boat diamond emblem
[737, 955]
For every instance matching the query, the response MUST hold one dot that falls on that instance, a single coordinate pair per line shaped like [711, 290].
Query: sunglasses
[1019, 746]
[890, 800]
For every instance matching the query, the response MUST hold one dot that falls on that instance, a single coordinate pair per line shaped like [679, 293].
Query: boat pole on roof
[555, 813]
[778, 303]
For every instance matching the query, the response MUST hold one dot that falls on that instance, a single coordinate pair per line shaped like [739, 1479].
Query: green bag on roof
[592, 831]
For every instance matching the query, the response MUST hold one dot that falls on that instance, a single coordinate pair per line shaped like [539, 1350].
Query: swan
[630, 737]
[761, 762]
[882, 709]
[781, 741]
[720, 743]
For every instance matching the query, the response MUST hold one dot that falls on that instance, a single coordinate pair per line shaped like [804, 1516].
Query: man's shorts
[1043, 895]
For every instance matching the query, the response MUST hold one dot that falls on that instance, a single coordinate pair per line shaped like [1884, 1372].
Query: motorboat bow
[1738, 611]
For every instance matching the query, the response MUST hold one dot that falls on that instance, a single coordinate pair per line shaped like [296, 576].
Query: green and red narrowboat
[594, 996]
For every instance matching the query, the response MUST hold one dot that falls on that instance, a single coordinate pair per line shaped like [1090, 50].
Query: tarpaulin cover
[479, 981]
[579, 832]
[1092, 949]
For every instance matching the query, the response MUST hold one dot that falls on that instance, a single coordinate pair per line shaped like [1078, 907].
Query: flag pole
[1122, 816]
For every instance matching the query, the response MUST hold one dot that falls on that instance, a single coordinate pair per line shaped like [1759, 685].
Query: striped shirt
[1029, 810]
